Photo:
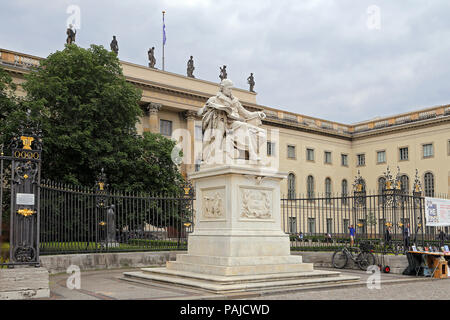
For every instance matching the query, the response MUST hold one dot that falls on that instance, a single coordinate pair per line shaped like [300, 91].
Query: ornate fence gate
[19, 197]
[45, 217]
[392, 219]
[76, 219]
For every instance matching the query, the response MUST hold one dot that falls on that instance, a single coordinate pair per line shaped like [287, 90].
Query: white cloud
[315, 57]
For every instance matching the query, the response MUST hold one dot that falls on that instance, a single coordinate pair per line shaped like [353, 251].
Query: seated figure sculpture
[229, 130]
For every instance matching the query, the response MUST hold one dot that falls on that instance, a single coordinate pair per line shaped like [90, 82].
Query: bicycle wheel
[339, 259]
[365, 259]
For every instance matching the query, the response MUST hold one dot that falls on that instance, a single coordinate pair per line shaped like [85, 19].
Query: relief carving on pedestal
[256, 204]
[212, 206]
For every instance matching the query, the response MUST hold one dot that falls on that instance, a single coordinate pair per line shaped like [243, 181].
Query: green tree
[89, 113]
[8, 103]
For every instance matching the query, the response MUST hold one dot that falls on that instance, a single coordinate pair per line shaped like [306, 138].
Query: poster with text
[437, 212]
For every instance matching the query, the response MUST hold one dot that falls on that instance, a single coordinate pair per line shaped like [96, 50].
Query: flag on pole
[164, 32]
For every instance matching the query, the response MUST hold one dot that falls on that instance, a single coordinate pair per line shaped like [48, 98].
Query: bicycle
[363, 257]
[392, 247]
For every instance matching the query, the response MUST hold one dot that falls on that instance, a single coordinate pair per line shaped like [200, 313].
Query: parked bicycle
[392, 247]
[362, 256]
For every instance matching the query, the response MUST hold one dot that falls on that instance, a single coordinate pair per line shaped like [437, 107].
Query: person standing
[387, 235]
[352, 235]
[406, 237]
[441, 238]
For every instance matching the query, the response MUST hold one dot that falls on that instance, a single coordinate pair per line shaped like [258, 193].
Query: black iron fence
[79, 220]
[392, 221]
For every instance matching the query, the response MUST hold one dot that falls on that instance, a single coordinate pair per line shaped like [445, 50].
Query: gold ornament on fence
[25, 212]
[27, 142]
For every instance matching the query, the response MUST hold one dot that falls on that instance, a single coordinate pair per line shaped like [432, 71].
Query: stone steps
[250, 269]
[229, 284]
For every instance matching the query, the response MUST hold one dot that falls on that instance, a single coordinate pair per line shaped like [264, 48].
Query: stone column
[152, 110]
[190, 117]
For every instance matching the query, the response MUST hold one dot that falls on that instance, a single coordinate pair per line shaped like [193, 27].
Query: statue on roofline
[114, 45]
[151, 57]
[71, 34]
[190, 67]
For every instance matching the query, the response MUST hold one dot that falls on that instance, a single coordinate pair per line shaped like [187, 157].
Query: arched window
[381, 184]
[363, 185]
[344, 191]
[404, 180]
[291, 186]
[429, 184]
[381, 188]
[310, 187]
[328, 189]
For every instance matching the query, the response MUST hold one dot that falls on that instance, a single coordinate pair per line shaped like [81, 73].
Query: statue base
[237, 243]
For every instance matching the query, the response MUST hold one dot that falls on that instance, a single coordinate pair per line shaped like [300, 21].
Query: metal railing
[322, 223]
[79, 220]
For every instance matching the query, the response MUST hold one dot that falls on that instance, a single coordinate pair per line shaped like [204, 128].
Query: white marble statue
[229, 129]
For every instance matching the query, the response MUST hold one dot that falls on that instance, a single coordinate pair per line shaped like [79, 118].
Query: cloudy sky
[341, 60]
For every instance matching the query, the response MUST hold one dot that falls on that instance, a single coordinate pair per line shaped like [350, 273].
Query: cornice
[305, 128]
[401, 127]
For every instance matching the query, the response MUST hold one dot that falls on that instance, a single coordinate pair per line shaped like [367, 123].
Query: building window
[310, 154]
[344, 160]
[361, 160]
[198, 133]
[328, 190]
[381, 188]
[270, 148]
[381, 227]
[311, 225]
[405, 221]
[428, 150]
[165, 127]
[310, 187]
[329, 225]
[327, 157]
[291, 186]
[346, 224]
[404, 153]
[363, 185]
[362, 226]
[429, 184]
[344, 192]
[381, 185]
[381, 156]
[292, 224]
[291, 152]
[404, 183]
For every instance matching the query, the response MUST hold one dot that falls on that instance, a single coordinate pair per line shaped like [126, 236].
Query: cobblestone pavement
[423, 289]
[108, 285]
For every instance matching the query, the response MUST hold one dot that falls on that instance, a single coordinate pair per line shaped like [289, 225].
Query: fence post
[101, 200]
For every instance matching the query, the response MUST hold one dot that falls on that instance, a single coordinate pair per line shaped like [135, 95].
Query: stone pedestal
[237, 228]
[24, 283]
[238, 243]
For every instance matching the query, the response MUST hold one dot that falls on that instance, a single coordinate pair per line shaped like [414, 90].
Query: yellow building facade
[321, 156]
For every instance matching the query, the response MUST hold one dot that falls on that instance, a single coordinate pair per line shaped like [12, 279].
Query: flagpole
[163, 42]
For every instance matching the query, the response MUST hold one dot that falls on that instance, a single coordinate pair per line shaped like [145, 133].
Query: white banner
[437, 212]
